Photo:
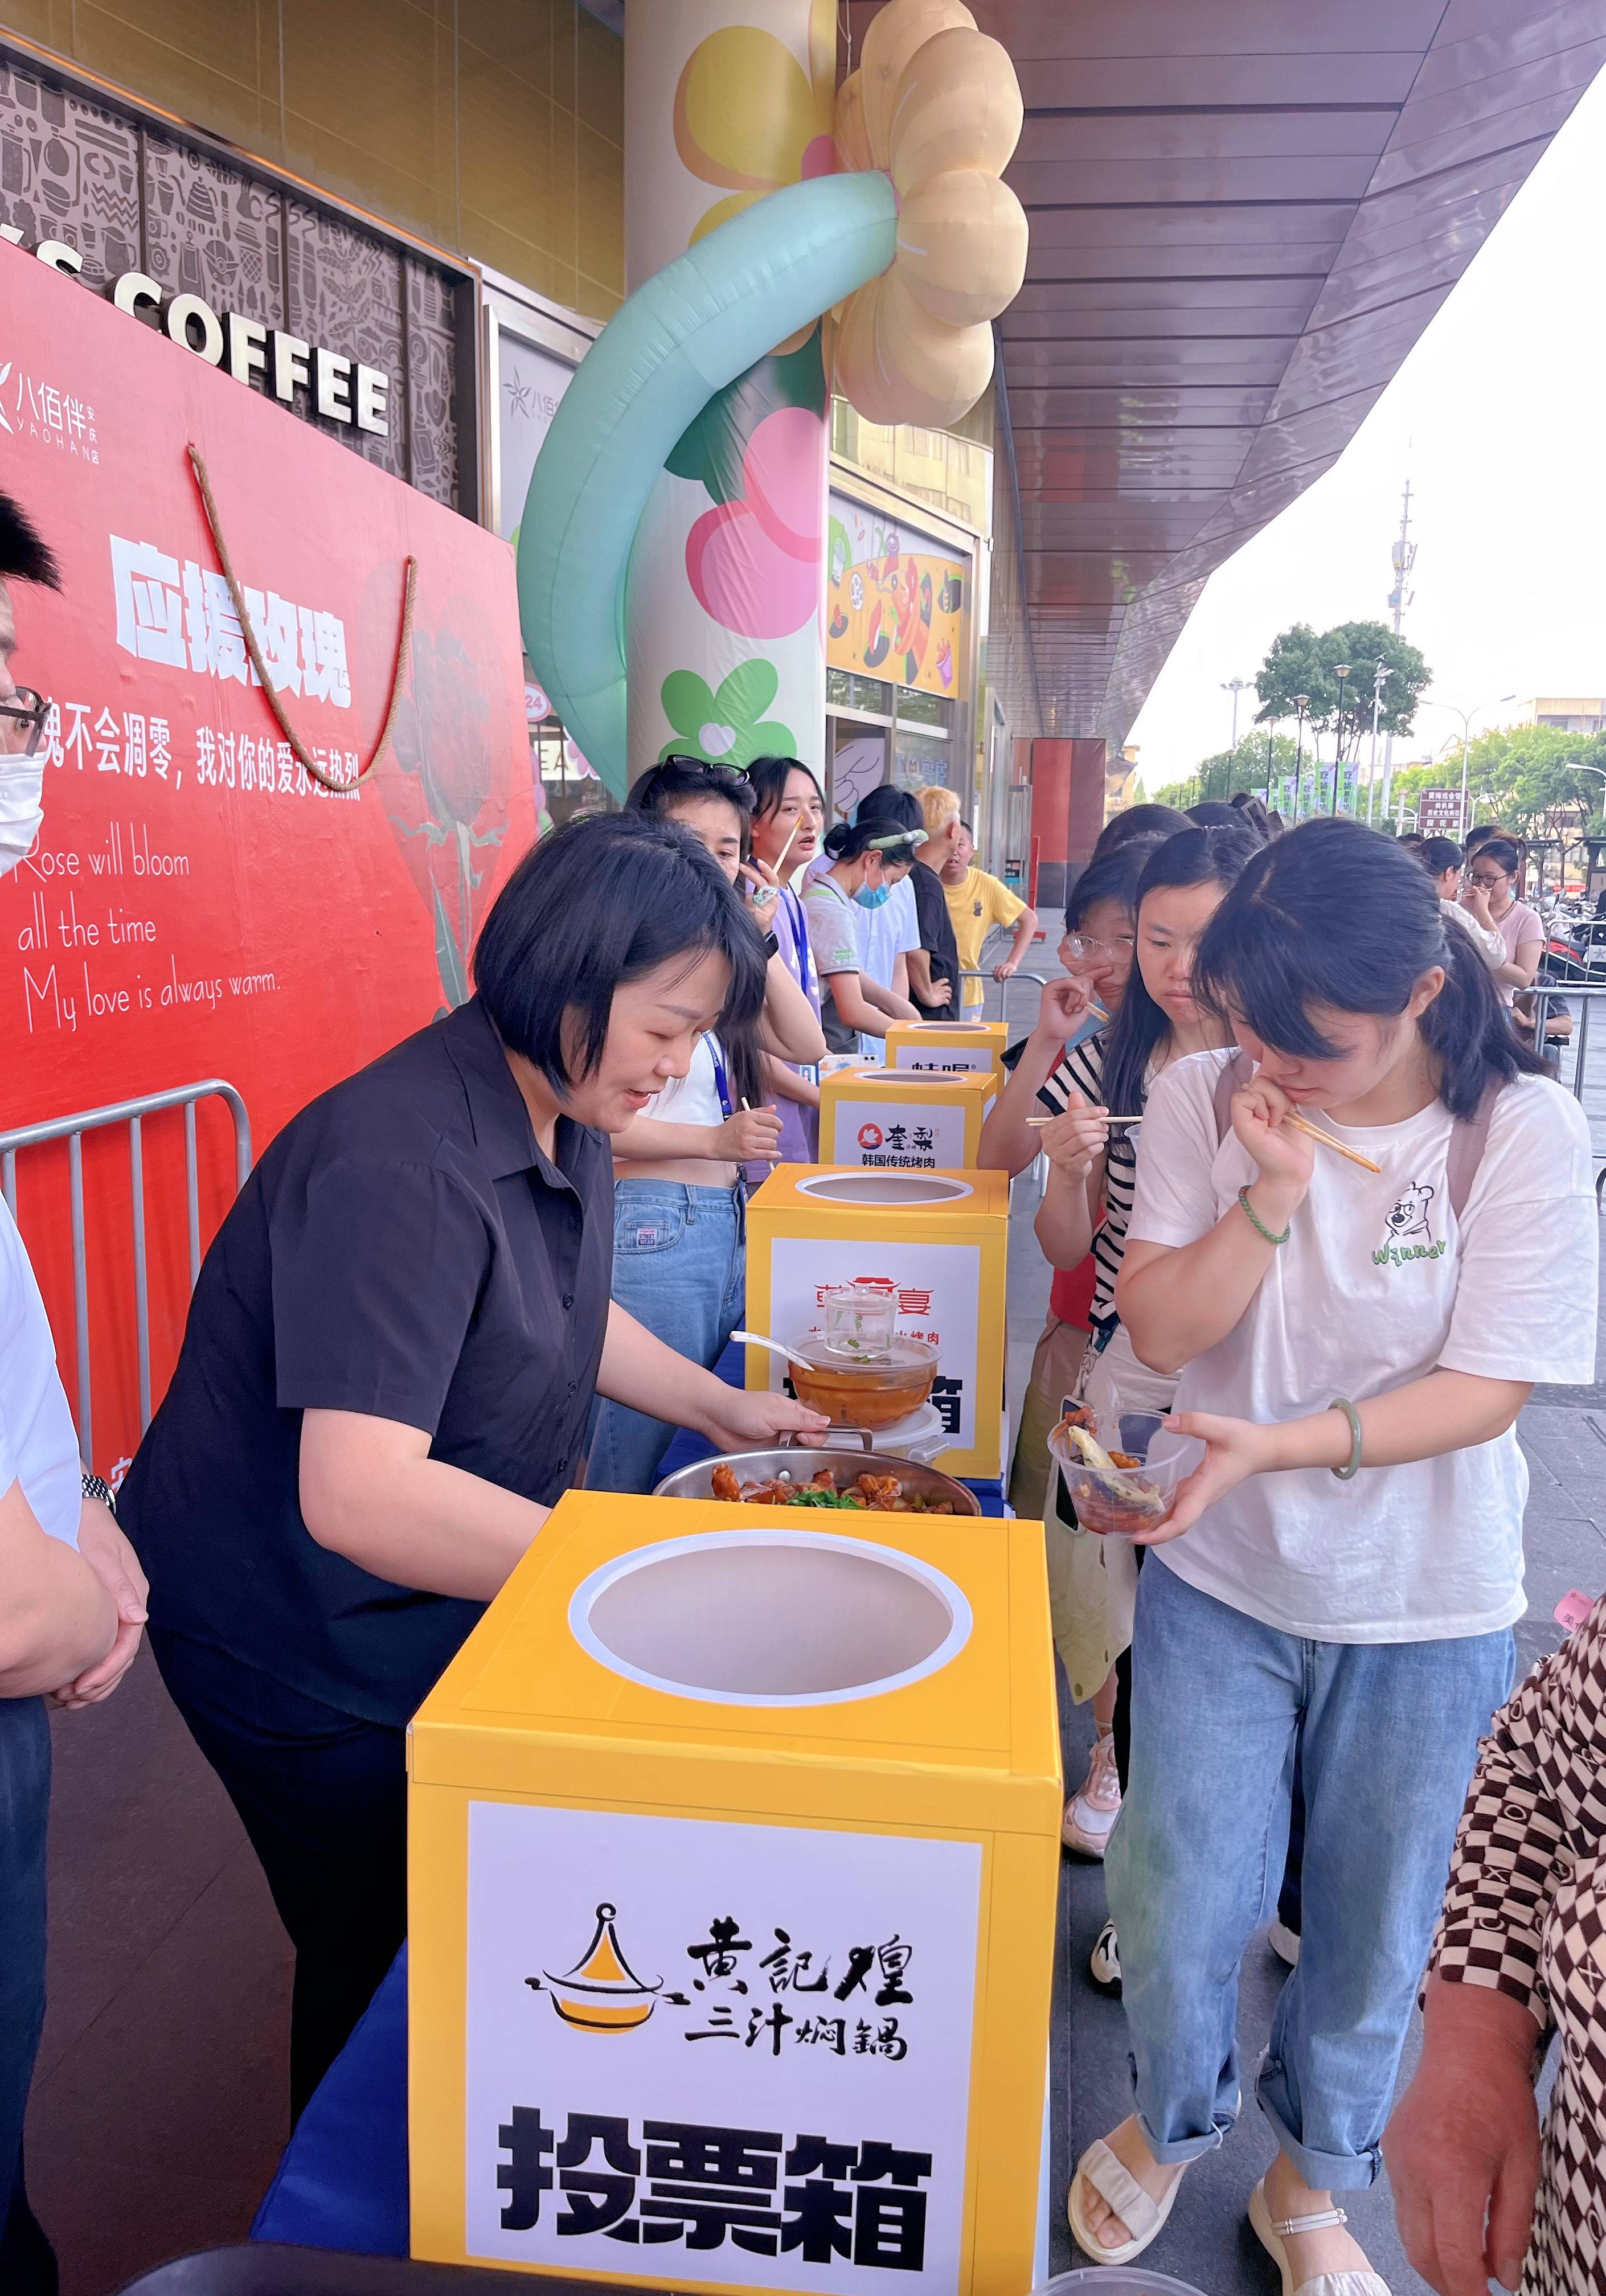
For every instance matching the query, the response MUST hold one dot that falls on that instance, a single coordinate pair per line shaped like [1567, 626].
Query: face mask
[21, 813]
[873, 896]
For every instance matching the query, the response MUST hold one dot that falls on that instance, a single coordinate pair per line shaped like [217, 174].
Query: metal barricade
[1038, 979]
[72, 1129]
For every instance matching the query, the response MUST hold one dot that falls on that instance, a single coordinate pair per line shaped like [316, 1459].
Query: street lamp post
[1380, 679]
[1466, 718]
[1340, 671]
[1301, 704]
[1235, 686]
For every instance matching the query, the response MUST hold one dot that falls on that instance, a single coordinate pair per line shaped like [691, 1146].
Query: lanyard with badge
[722, 1084]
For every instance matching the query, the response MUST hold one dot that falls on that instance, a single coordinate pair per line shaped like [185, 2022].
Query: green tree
[1230, 770]
[1302, 662]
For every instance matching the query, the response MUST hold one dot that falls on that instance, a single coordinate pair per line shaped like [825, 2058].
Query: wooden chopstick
[1036, 1121]
[1315, 1132]
[786, 848]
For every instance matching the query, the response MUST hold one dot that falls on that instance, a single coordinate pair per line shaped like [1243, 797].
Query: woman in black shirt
[389, 1365]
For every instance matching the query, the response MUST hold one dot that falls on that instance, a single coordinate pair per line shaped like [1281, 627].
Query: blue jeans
[680, 1268]
[1390, 1735]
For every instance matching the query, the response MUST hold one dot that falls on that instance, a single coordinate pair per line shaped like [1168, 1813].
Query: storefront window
[865, 696]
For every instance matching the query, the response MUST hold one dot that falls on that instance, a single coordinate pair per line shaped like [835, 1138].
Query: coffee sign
[342, 389]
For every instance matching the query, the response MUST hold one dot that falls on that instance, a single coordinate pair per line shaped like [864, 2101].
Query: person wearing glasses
[23, 558]
[72, 1597]
[1490, 899]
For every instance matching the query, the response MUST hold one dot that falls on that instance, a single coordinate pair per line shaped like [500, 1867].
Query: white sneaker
[1091, 1813]
[1285, 1943]
[1104, 1962]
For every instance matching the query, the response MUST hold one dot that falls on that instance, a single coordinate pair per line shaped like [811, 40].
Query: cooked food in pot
[871, 1494]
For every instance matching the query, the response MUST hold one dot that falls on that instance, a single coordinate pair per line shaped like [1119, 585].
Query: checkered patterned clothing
[1525, 1914]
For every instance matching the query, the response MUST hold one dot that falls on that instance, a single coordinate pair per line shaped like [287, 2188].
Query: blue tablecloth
[343, 2180]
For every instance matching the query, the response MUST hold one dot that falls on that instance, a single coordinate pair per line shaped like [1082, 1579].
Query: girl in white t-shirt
[1344, 1561]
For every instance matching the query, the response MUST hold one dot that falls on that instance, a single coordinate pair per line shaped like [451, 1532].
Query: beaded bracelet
[1256, 1223]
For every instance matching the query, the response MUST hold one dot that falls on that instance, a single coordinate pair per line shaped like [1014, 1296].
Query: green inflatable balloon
[694, 327]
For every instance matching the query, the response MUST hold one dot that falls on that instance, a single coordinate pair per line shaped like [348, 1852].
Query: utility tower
[1402, 556]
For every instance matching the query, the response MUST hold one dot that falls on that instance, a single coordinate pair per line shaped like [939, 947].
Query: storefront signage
[342, 389]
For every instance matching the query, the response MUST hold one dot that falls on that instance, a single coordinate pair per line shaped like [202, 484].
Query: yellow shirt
[976, 907]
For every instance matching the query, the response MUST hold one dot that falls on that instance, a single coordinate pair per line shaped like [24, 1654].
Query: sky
[1495, 416]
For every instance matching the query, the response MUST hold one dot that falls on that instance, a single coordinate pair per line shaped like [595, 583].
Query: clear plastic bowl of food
[1131, 1497]
[862, 1392]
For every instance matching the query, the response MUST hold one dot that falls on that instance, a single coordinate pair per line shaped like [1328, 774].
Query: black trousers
[28, 2264]
[323, 1796]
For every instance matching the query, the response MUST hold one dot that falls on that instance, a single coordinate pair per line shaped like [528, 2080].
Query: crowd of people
[511, 1252]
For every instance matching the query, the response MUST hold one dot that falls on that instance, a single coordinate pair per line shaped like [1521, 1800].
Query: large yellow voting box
[947, 1047]
[888, 1120]
[938, 1240]
[733, 1846]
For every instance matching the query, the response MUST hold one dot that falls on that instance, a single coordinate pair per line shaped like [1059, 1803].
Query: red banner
[195, 904]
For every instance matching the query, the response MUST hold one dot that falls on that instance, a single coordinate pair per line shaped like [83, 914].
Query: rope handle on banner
[303, 755]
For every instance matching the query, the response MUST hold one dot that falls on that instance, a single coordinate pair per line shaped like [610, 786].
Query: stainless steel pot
[800, 1460]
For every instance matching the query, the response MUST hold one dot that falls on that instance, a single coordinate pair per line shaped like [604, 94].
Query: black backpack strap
[1469, 1137]
[1233, 1074]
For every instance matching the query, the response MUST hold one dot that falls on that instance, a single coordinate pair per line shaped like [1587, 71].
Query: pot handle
[798, 1439]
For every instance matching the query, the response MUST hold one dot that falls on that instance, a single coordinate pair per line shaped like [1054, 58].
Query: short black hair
[1437, 853]
[23, 556]
[1139, 821]
[1481, 831]
[592, 907]
[1112, 876]
[892, 807]
[683, 781]
[1212, 813]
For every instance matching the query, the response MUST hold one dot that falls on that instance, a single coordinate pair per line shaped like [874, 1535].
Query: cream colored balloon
[936, 372]
[962, 239]
[900, 28]
[860, 377]
[852, 137]
[957, 105]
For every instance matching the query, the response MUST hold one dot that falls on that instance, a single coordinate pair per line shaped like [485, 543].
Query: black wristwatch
[96, 1486]
[772, 946]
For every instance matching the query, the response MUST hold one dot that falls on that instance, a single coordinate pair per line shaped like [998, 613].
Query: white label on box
[947, 1060]
[708, 2051]
[899, 1136]
[938, 1287]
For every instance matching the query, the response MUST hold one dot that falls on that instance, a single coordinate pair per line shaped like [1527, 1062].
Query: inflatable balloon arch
[671, 554]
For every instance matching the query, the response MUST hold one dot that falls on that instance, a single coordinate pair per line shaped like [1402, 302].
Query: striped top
[1081, 1070]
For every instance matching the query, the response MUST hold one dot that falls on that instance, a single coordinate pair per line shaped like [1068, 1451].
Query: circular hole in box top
[770, 1618]
[886, 1188]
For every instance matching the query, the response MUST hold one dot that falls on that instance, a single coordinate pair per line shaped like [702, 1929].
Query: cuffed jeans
[1390, 1735]
[680, 1268]
[27, 2265]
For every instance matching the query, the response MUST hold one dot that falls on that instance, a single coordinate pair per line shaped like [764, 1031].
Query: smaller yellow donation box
[947, 1047]
[734, 1848]
[890, 1120]
[938, 1241]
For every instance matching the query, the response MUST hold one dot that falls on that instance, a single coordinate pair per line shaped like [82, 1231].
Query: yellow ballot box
[891, 1120]
[733, 1846]
[947, 1047]
[938, 1241]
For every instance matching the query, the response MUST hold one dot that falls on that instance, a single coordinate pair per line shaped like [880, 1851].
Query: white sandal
[1143, 2217]
[1271, 2235]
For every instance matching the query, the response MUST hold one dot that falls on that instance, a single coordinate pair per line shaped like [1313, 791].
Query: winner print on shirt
[1408, 1229]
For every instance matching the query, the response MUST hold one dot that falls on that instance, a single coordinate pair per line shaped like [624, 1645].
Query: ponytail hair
[1334, 915]
[1194, 856]
[850, 839]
